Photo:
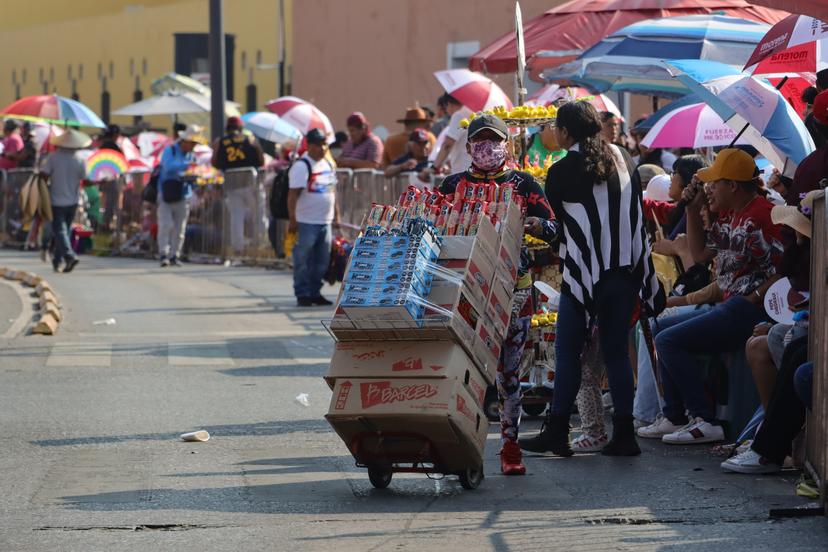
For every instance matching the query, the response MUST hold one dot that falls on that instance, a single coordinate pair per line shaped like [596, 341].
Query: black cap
[488, 122]
[316, 136]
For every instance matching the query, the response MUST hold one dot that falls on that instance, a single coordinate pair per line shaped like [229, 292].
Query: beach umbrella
[750, 106]
[51, 108]
[553, 92]
[268, 126]
[631, 59]
[691, 126]
[797, 44]
[302, 115]
[473, 90]
[169, 103]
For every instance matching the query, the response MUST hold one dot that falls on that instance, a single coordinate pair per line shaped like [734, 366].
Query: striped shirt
[601, 226]
[370, 149]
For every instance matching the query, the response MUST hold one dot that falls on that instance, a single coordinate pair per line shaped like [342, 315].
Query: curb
[48, 321]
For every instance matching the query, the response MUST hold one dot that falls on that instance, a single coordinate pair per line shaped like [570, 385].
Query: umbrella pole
[744, 128]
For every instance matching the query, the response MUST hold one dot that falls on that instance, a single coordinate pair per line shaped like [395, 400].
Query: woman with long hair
[596, 197]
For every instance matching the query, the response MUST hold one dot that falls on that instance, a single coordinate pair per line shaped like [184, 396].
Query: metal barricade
[246, 217]
[13, 232]
[132, 235]
[816, 457]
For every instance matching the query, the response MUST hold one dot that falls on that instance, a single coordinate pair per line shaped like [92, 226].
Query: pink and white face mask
[488, 155]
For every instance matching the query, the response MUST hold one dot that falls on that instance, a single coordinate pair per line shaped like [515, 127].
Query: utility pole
[218, 89]
[282, 48]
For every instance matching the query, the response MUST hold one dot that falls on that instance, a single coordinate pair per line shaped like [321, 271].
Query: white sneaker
[697, 431]
[589, 443]
[658, 429]
[638, 424]
[750, 462]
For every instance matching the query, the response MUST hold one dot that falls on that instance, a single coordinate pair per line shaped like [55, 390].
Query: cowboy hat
[414, 115]
[193, 133]
[798, 218]
[71, 139]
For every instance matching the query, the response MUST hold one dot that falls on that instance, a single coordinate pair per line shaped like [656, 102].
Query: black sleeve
[536, 202]
[450, 183]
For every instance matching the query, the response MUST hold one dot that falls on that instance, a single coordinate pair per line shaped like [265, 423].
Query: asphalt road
[90, 456]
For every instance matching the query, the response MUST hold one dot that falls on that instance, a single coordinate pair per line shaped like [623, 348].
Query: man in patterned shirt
[363, 150]
[747, 247]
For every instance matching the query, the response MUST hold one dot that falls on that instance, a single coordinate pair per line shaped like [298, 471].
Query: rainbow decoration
[106, 164]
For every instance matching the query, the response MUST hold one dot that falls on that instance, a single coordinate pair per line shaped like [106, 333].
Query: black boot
[553, 437]
[623, 441]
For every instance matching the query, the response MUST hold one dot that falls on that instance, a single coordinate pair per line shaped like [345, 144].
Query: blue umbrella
[631, 59]
[752, 106]
[269, 126]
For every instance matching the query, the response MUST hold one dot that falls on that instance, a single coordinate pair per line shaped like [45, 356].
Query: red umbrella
[300, 114]
[563, 33]
[798, 43]
[473, 90]
[814, 8]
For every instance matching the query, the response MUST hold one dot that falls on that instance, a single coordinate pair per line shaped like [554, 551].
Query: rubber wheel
[491, 404]
[380, 477]
[470, 478]
[534, 410]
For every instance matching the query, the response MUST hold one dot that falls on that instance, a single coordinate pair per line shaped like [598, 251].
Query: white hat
[797, 217]
[658, 188]
[71, 139]
[193, 133]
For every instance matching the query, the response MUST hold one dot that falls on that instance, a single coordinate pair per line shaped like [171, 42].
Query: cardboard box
[512, 223]
[466, 311]
[499, 306]
[486, 347]
[477, 270]
[407, 359]
[391, 419]
[508, 263]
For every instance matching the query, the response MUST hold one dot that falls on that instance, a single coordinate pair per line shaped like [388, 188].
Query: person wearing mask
[543, 146]
[397, 145]
[416, 157]
[596, 198]
[487, 147]
[66, 167]
[173, 192]
[363, 149]
[312, 210]
[12, 145]
[453, 154]
[747, 247]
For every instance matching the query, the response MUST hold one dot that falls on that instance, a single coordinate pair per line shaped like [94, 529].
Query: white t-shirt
[316, 202]
[458, 158]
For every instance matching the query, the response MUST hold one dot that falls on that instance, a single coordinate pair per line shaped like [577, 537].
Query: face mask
[488, 155]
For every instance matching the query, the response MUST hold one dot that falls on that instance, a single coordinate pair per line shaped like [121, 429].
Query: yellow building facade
[86, 47]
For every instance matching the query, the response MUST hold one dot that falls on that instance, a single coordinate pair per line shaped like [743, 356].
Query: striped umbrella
[268, 126]
[690, 126]
[55, 109]
[797, 44]
[743, 102]
[473, 90]
[631, 59]
[553, 92]
[302, 115]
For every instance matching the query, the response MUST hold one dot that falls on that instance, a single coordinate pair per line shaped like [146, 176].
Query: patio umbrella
[473, 90]
[814, 8]
[631, 58]
[169, 103]
[563, 33]
[301, 115]
[51, 108]
[797, 44]
[752, 106]
[268, 126]
[553, 92]
[691, 126]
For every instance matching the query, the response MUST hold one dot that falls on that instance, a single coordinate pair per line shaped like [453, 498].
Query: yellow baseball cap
[730, 164]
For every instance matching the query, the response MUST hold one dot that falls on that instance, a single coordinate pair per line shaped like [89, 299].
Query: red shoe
[511, 459]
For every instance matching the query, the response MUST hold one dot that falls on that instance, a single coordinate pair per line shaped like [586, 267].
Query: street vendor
[488, 145]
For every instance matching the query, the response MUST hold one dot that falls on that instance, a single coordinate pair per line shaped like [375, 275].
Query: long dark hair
[581, 121]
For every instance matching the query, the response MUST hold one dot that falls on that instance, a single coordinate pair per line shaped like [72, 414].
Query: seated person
[416, 158]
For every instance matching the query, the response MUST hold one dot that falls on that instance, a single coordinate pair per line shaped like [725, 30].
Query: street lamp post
[218, 90]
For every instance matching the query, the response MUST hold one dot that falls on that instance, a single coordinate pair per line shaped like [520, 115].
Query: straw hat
[193, 133]
[71, 139]
[798, 218]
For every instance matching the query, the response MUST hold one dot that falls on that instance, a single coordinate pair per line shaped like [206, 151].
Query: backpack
[150, 191]
[280, 189]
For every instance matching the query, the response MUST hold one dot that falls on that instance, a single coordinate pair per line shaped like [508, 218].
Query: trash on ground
[199, 436]
[303, 399]
[107, 322]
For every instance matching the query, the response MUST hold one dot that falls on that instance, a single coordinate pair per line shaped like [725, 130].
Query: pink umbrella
[301, 115]
[797, 44]
[553, 92]
[690, 126]
[473, 90]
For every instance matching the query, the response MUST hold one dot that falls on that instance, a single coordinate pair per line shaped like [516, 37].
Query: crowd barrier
[816, 455]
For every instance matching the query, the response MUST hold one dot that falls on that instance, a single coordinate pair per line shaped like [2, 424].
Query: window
[459, 53]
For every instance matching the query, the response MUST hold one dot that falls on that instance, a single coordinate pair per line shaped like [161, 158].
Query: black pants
[786, 413]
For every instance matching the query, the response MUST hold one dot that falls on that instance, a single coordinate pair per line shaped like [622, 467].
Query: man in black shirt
[488, 146]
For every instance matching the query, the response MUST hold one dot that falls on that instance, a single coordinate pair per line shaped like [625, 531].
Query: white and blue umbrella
[770, 124]
[269, 126]
[631, 59]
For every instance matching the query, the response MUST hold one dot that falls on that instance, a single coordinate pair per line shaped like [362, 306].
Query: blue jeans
[615, 297]
[726, 327]
[804, 383]
[62, 218]
[311, 256]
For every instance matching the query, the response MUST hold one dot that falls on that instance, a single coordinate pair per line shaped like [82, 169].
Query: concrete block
[47, 325]
[43, 286]
[32, 280]
[13, 275]
[48, 297]
[51, 309]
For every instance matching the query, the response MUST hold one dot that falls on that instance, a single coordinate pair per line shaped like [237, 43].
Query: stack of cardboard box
[402, 377]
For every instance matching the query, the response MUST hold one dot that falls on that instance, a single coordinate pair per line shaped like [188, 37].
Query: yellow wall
[53, 35]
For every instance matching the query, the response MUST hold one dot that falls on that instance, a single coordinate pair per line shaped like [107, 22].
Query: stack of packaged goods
[422, 314]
